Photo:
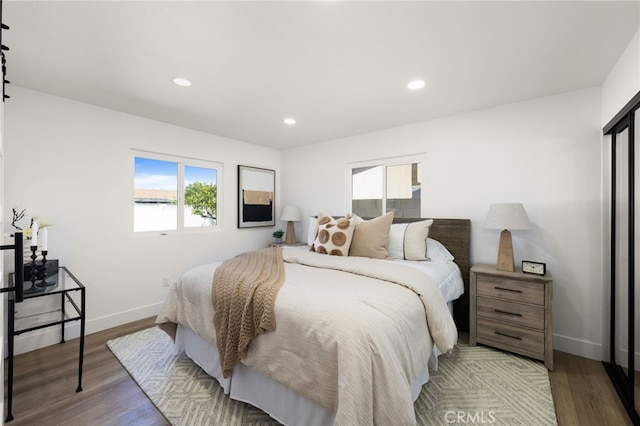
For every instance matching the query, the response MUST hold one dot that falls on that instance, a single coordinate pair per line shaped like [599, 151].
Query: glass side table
[68, 289]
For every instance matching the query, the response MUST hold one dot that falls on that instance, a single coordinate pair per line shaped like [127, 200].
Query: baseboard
[590, 350]
[50, 336]
[124, 317]
[578, 347]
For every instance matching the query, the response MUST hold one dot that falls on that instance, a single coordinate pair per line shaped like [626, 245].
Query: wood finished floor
[46, 379]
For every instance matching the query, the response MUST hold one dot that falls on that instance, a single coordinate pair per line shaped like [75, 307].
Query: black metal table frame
[12, 332]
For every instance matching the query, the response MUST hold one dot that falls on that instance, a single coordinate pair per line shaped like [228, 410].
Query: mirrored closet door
[624, 252]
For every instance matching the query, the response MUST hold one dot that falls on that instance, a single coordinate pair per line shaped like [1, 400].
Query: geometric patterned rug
[473, 385]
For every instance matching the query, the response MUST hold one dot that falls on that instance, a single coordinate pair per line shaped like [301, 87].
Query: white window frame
[182, 162]
[385, 162]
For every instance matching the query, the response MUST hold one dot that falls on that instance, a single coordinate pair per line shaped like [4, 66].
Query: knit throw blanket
[244, 295]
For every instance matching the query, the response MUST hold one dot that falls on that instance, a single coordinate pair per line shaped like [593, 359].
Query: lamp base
[290, 234]
[505, 253]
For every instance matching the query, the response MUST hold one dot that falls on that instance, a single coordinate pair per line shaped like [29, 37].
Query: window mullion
[384, 189]
[180, 196]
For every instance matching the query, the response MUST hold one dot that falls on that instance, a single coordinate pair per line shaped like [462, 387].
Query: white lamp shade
[507, 216]
[291, 213]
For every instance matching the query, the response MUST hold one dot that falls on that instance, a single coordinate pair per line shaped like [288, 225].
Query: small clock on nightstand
[536, 268]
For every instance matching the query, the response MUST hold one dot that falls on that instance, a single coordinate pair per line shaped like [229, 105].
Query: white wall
[544, 153]
[71, 163]
[623, 81]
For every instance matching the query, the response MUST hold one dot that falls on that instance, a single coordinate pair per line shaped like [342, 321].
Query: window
[174, 193]
[386, 185]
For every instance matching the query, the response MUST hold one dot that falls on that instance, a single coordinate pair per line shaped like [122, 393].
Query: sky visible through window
[160, 174]
[199, 174]
[156, 174]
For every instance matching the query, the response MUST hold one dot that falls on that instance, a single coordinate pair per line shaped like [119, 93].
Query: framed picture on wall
[256, 197]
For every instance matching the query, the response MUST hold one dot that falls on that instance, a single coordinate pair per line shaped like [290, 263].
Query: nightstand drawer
[520, 338]
[515, 313]
[508, 289]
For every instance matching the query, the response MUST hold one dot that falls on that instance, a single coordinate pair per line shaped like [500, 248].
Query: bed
[348, 348]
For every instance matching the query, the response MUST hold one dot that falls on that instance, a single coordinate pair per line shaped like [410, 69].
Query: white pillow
[313, 229]
[409, 240]
[395, 242]
[437, 252]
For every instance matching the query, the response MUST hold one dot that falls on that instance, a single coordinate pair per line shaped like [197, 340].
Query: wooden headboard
[455, 235]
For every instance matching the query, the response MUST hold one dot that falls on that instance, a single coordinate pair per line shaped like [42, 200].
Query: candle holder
[33, 273]
[44, 282]
[34, 269]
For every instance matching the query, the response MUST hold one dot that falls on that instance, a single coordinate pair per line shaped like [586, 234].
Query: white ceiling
[338, 68]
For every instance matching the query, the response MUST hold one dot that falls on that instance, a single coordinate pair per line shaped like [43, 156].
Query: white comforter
[349, 341]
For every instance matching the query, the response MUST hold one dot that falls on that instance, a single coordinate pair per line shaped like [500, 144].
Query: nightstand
[512, 311]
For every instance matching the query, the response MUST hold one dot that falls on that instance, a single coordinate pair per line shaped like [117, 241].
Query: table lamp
[507, 216]
[290, 214]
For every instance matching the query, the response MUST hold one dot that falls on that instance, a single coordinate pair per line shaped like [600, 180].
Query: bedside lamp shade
[508, 216]
[290, 214]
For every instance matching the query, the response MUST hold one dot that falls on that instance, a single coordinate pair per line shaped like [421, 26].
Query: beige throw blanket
[244, 294]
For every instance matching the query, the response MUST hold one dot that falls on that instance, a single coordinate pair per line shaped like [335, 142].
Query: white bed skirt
[275, 399]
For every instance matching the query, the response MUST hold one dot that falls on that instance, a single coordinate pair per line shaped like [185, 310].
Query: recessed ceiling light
[416, 84]
[289, 121]
[182, 82]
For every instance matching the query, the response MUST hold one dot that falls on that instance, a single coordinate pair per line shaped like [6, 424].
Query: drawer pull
[507, 335]
[507, 313]
[508, 289]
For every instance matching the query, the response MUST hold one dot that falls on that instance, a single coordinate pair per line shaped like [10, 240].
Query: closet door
[624, 356]
[626, 286]
[634, 302]
[620, 261]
